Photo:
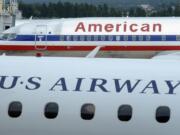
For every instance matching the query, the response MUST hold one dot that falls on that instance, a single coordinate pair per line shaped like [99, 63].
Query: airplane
[89, 96]
[85, 34]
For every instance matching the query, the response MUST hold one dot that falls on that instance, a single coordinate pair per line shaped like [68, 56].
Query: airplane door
[41, 37]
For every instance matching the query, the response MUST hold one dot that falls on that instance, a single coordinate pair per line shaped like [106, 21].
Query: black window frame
[15, 109]
[87, 115]
[48, 113]
[162, 118]
[121, 113]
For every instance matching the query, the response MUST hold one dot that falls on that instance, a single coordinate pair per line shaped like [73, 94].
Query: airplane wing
[168, 55]
[94, 52]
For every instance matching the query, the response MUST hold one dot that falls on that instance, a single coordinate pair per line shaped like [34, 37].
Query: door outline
[41, 37]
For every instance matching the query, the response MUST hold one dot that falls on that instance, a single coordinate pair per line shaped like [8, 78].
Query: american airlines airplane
[117, 34]
[85, 96]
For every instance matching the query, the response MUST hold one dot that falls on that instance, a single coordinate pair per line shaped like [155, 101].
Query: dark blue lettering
[171, 87]
[95, 84]
[34, 82]
[11, 84]
[127, 83]
[151, 85]
[78, 84]
[61, 82]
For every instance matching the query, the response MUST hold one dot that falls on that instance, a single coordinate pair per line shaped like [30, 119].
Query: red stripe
[88, 48]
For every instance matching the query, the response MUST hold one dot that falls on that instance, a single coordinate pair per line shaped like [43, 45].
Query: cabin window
[75, 38]
[62, 38]
[141, 38]
[88, 38]
[68, 38]
[103, 38]
[110, 38]
[163, 38]
[125, 38]
[87, 111]
[15, 109]
[163, 114]
[82, 38]
[148, 38]
[133, 38]
[51, 110]
[118, 38]
[95, 38]
[125, 113]
[178, 38]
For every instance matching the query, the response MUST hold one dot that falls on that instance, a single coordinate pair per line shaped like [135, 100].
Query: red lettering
[145, 27]
[95, 28]
[157, 27]
[133, 28]
[80, 27]
[125, 26]
[118, 27]
[109, 27]
[121, 27]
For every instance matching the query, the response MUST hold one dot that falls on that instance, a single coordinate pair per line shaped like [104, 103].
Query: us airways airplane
[78, 96]
[134, 34]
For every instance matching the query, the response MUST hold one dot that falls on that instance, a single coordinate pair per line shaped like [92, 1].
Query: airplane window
[96, 38]
[51, 110]
[68, 38]
[118, 38]
[163, 38]
[87, 111]
[82, 38]
[125, 113]
[178, 38]
[148, 38]
[110, 38]
[75, 38]
[15, 109]
[141, 38]
[125, 38]
[163, 114]
[134, 38]
[103, 38]
[62, 38]
[89, 38]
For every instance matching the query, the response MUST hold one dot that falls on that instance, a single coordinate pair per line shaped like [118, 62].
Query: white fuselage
[119, 34]
[145, 85]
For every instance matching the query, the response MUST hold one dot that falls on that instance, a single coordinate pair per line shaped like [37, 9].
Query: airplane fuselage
[83, 34]
[122, 96]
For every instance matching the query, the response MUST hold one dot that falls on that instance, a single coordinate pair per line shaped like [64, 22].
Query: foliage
[68, 9]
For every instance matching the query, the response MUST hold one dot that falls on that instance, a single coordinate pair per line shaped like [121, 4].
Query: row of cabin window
[110, 38]
[125, 112]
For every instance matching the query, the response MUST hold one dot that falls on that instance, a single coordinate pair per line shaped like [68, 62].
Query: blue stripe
[97, 38]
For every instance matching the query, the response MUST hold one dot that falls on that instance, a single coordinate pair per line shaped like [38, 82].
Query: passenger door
[41, 37]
